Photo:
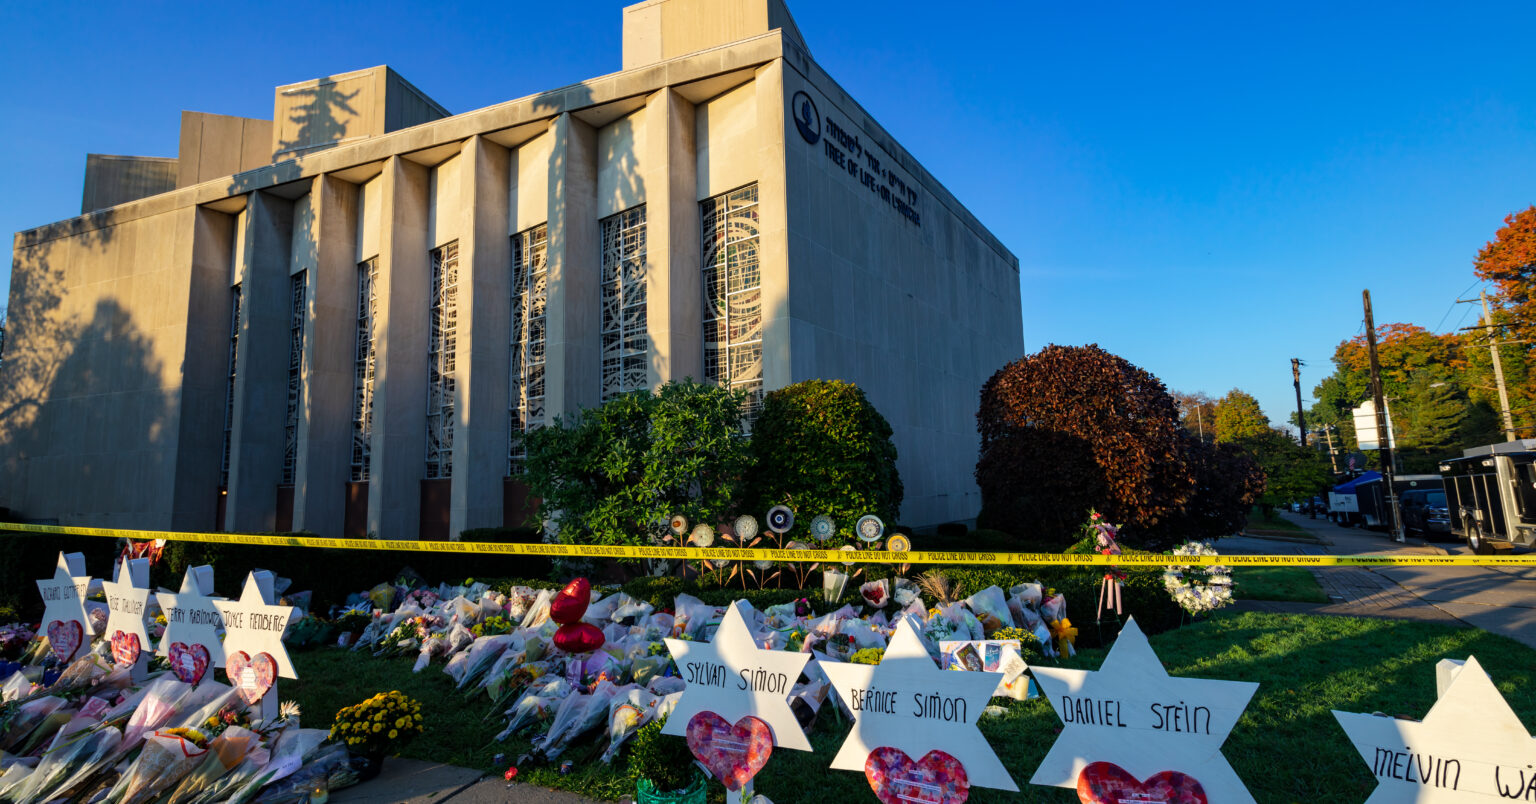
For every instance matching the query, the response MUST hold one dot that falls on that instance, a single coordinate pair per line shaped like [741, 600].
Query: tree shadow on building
[321, 119]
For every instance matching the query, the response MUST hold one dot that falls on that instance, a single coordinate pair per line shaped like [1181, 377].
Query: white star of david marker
[127, 599]
[1132, 713]
[254, 625]
[191, 617]
[1470, 747]
[907, 702]
[733, 678]
[64, 595]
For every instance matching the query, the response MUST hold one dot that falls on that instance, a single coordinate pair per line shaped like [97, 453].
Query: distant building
[336, 320]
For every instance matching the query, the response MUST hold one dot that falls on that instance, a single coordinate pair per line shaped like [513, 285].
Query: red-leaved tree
[1071, 428]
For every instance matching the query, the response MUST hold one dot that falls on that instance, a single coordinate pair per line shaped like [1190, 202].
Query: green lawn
[1305, 665]
[1257, 521]
[1277, 583]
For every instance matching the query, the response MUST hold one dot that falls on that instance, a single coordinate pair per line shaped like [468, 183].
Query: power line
[1454, 303]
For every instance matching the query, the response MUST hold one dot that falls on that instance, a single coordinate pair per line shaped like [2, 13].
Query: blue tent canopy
[1349, 488]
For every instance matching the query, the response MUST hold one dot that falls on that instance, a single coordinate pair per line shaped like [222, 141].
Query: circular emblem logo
[869, 528]
[780, 519]
[807, 119]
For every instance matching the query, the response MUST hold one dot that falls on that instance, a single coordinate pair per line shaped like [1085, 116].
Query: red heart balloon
[579, 638]
[1108, 783]
[734, 754]
[938, 777]
[572, 602]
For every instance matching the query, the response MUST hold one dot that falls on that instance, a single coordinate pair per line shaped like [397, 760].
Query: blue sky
[1201, 188]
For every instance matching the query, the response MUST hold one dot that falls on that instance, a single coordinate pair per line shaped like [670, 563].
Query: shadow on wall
[320, 119]
[83, 414]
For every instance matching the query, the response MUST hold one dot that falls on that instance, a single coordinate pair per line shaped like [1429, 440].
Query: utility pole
[1498, 371]
[1383, 435]
[1332, 461]
[1301, 417]
[1200, 421]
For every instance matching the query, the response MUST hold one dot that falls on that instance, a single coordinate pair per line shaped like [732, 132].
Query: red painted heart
[188, 662]
[251, 678]
[734, 754]
[125, 648]
[64, 638]
[1108, 783]
[937, 778]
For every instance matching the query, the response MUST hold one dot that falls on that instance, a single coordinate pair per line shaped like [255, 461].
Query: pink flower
[510, 774]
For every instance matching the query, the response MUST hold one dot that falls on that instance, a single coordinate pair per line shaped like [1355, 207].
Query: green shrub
[664, 759]
[820, 447]
[618, 472]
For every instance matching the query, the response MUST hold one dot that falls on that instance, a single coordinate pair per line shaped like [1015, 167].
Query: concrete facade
[409, 295]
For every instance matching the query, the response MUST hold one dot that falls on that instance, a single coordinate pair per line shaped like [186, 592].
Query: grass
[1305, 666]
[1257, 521]
[1296, 584]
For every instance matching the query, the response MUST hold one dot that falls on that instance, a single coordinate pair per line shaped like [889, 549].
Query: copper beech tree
[1071, 428]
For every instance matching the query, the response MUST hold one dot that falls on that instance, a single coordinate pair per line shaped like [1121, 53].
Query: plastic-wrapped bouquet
[381, 723]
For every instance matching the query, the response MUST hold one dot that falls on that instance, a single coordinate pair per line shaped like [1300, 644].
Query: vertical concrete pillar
[773, 226]
[200, 423]
[399, 390]
[325, 420]
[573, 345]
[485, 289]
[261, 368]
[673, 293]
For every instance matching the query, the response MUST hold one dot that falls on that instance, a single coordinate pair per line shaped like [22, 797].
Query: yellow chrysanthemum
[393, 734]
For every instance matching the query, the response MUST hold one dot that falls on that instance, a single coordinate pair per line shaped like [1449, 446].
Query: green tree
[1291, 471]
[1197, 412]
[614, 474]
[1432, 429]
[821, 447]
[1238, 418]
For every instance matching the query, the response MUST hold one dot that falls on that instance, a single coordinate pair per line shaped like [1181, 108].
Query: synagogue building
[338, 320]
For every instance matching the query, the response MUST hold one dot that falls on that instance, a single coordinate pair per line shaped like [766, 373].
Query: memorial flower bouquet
[1198, 588]
[167, 756]
[380, 724]
[492, 626]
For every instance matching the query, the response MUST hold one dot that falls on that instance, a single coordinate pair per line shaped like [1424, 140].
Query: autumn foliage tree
[1070, 429]
[1509, 262]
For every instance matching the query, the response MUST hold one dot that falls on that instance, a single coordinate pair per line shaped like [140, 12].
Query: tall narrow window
[733, 294]
[363, 366]
[625, 344]
[229, 386]
[440, 359]
[297, 291]
[529, 296]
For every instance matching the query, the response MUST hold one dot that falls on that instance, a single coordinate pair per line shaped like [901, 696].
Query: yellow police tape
[761, 554]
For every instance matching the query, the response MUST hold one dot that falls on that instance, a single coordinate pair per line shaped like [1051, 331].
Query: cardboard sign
[127, 603]
[64, 619]
[907, 703]
[1470, 747]
[192, 625]
[1151, 726]
[733, 678]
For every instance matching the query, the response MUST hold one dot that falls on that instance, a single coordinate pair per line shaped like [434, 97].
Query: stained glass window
[625, 343]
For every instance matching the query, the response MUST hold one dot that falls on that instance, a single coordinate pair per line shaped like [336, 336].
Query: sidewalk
[412, 781]
[1498, 600]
